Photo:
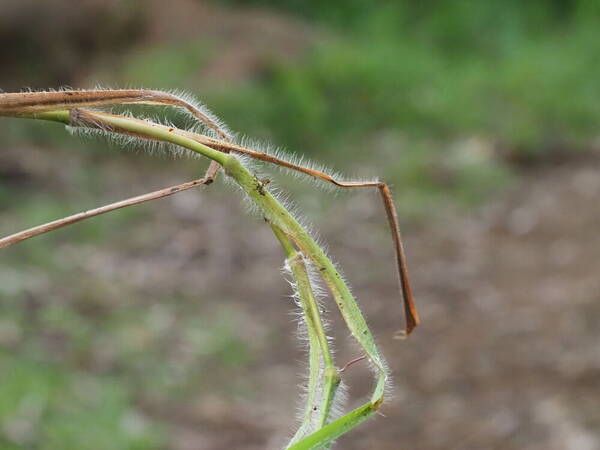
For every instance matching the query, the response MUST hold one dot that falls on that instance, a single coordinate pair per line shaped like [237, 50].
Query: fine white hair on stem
[280, 195]
[309, 413]
[216, 121]
[340, 400]
[128, 142]
[250, 207]
[38, 101]
[319, 293]
[299, 160]
[378, 367]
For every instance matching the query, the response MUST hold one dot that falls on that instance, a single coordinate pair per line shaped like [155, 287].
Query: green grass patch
[45, 406]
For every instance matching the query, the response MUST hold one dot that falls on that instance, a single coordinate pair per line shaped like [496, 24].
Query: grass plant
[323, 419]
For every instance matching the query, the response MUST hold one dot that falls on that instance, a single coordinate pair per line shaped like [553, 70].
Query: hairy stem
[318, 408]
[330, 432]
[279, 218]
[323, 378]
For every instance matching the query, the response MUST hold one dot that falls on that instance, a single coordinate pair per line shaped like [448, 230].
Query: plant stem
[327, 434]
[70, 220]
[316, 349]
[276, 214]
[318, 403]
[280, 219]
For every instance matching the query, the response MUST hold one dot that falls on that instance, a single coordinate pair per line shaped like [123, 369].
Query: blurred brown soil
[507, 354]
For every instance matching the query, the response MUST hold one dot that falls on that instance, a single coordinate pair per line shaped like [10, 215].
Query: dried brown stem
[50, 226]
[32, 102]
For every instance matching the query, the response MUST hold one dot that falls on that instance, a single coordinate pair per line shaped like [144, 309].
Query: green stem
[331, 378]
[138, 127]
[320, 396]
[278, 217]
[330, 432]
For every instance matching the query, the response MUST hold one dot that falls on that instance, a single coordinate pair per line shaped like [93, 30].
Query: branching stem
[298, 245]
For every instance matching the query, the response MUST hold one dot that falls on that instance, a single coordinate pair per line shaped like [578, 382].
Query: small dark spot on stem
[260, 188]
[171, 130]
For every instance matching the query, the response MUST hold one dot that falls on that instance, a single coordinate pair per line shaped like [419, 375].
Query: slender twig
[353, 361]
[24, 103]
[12, 104]
[56, 224]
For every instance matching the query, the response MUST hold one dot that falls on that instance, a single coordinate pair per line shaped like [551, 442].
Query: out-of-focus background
[169, 326]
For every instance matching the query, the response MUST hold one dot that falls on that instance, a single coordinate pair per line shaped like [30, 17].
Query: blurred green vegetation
[85, 353]
[43, 406]
[520, 74]
[451, 94]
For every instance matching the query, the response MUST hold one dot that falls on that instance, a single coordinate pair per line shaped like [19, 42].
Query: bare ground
[506, 357]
